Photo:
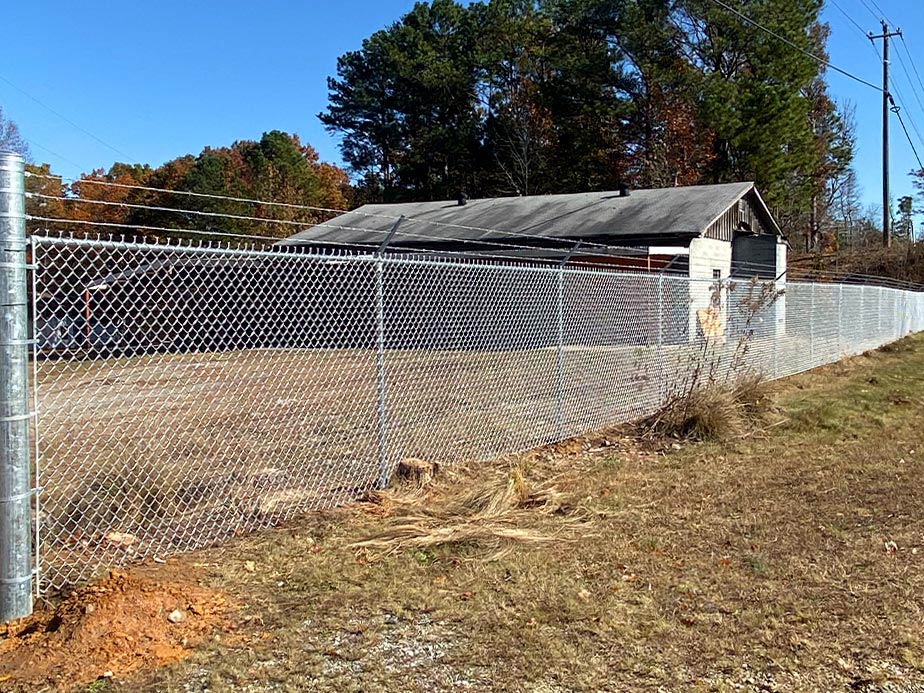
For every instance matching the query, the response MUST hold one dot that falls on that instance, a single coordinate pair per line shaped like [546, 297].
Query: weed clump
[713, 411]
[719, 396]
[900, 347]
[752, 394]
[705, 413]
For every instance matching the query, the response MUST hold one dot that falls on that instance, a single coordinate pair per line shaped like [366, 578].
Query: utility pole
[886, 99]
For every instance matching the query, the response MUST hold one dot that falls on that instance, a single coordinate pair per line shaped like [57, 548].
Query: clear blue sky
[157, 80]
[850, 51]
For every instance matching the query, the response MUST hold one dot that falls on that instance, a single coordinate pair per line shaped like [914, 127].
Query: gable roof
[660, 212]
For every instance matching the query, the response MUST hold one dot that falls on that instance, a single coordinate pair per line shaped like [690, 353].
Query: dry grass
[187, 450]
[754, 396]
[704, 413]
[487, 508]
[713, 412]
[793, 560]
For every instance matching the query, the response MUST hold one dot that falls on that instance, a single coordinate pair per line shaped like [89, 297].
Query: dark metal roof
[683, 212]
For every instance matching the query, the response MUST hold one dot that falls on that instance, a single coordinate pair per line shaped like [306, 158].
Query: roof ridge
[657, 212]
[454, 203]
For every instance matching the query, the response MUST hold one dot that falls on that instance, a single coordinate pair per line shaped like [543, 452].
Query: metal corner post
[15, 487]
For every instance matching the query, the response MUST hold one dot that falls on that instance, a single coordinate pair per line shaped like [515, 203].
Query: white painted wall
[706, 255]
[780, 305]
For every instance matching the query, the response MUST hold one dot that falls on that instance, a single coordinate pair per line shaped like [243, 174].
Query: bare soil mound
[110, 629]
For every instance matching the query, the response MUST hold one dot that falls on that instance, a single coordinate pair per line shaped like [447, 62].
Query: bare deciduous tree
[10, 138]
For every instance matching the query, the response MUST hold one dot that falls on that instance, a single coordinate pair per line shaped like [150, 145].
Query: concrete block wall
[780, 305]
[707, 256]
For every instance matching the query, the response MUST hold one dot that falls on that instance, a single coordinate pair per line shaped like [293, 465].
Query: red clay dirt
[112, 628]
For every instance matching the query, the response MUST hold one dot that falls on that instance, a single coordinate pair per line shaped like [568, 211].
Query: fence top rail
[330, 255]
[344, 256]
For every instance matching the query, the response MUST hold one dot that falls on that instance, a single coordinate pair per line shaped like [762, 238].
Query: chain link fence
[189, 394]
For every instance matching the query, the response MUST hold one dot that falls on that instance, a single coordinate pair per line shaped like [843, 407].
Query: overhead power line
[903, 102]
[33, 143]
[853, 21]
[912, 63]
[863, 32]
[901, 105]
[897, 111]
[876, 14]
[809, 54]
[914, 90]
[66, 119]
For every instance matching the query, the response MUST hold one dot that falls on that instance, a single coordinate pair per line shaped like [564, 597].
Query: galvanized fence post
[381, 385]
[380, 370]
[560, 357]
[776, 339]
[879, 316]
[812, 327]
[840, 319]
[864, 319]
[662, 387]
[15, 487]
[897, 302]
[898, 314]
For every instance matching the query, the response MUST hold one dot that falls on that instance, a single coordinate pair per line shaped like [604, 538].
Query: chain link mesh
[189, 394]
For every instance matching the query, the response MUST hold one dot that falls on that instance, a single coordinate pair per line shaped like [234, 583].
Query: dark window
[716, 274]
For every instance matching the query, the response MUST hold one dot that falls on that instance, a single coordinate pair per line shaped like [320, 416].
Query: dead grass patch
[487, 506]
[755, 397]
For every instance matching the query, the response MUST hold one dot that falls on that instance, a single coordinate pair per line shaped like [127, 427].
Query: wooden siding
[642, 263]
[743, 211]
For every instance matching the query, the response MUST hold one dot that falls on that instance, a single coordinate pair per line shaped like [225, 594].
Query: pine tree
[536, 96]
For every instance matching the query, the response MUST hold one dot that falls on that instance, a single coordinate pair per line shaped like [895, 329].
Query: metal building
[720, 230]
[710, 232]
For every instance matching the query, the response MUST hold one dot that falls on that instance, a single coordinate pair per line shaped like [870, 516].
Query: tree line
[524, 97]
[129, 199]
[521, 97]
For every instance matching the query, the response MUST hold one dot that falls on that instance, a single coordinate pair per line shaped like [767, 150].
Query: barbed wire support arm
[15, 488]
